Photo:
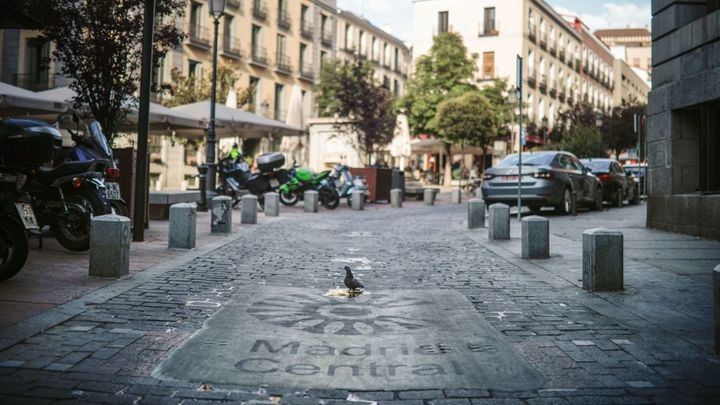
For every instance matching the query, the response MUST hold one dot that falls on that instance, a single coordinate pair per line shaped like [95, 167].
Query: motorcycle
[95, 147]
[236, 178]
[24, 146]
[345, 183]
[302, 180]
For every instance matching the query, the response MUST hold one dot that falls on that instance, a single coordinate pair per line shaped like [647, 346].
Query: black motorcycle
[237, 179]
[24, 146]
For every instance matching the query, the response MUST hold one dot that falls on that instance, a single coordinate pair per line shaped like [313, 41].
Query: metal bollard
[221, 215]
[183, 220]
[358, 200]
[602, 265]
[109, 246]
[312, 198]
[429, 196]
[272, 204]
[535, 237]
[499, 228]
[396, 198]
[456, 196]
[248, 209]
[476, 213]
[202, 181]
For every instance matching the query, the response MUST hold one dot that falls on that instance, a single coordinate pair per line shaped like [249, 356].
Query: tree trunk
[447, 181]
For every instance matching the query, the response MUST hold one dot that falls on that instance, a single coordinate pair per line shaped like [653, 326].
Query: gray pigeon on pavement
[351, 282]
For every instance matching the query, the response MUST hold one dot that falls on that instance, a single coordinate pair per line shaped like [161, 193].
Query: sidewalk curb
[22, 330]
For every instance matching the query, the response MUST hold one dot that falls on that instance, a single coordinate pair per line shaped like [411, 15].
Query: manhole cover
[384, 340]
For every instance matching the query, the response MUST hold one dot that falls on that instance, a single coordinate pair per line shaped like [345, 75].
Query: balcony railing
[306, 29]
[531, 79]
[552, 90]
[577, 65]
[234, 4]
[282, 63]
[260, 10]
[543, 41]
[307, 71]
[284, 20]
[199, 36]
[259, 56]
[543, 84]
[34, 81]
[561, 96]
[326, 37]
[551, 47]
[349, 47]
[231, 47]
[532, 32]
[561, 55]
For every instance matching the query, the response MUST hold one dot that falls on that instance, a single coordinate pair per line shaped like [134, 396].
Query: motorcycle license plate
[274, 183]
[27, 215]
[112, 191]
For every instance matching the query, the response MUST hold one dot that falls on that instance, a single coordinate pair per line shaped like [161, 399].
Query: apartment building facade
[633, 45]
[597, 67]
[630, 87]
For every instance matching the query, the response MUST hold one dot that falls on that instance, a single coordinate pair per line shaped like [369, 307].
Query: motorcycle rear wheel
[72, 229]
[119, 207]
[13, 248]
[329, 198]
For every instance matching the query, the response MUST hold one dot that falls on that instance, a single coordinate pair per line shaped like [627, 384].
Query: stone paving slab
[389, 339]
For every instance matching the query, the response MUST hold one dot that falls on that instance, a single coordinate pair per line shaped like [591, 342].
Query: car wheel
[565, 206]
[619, 198]
[598, 206]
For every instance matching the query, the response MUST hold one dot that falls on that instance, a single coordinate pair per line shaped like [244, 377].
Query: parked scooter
[301, 180]
[236, 178]
[345, 183]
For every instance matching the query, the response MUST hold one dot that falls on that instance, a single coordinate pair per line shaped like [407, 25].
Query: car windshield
[530, 159]
[597, 165]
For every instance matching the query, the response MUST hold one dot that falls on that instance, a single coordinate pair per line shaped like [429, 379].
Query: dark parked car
[617, 184]
[548, 179]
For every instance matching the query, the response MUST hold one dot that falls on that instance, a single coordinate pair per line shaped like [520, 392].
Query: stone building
[684, 118]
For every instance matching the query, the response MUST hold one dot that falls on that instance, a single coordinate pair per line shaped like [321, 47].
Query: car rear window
[596, 165]
[530, 159]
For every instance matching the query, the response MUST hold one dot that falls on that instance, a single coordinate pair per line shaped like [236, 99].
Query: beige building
[629, 86]
[633, 45]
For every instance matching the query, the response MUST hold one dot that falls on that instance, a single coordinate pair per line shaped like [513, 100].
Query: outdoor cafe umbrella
[15, 101]
[292, 146]
[400, 146]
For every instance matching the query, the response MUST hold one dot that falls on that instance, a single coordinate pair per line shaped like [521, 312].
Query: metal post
[210, 147]
[521, 137]
[202, 179]
[141, 166]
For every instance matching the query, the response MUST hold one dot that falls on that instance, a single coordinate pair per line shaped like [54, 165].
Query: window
[386, 82]
[196, 18]
[280, 45]
[397, 59]
[363, 43]
[489, 21]
[255, 85]
[443, 22]
[396, 87]
[710, 148]
[279, 102]
[195, 70]
[348, 36]
[488, 71]
[191, 151]
[38, 73]
[256, 40]
[303, 53]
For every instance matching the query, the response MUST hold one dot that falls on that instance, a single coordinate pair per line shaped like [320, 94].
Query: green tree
[469, 119]
[581, 114]
[186, 90]
[497, 95]
[618, 130]
[446, 71]
[349, 90]
[584, 141]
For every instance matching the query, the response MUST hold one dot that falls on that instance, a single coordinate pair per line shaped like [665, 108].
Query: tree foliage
[584, 141]
[349, 90]
[618, 131]
[497, 95]
[581, 114]
[446, 71]
[98, 45]
[468, 119]
[185, 90]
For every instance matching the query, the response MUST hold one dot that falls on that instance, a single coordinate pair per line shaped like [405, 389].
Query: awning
[15, 101]
[162, 119]
[235, 122]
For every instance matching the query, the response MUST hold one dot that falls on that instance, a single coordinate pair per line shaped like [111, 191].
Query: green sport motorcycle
[302, 180]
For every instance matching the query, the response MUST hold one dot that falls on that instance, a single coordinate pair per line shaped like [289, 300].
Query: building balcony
[283, 20]
[532, 32]
[234, 4]
[306, 29]
[231, 47]
[259, 57]
[349, 48]
[577, 65]
[488, 31]
[283, 64]
[570, 100]
[561, 55]
[37, 81]
[531, 79]
[552, 90]
[551, 48]
[543, 84]
[260, 10]
[307, 71]
[561, 96]
[326, 38]
[543, 41]
[199, 36]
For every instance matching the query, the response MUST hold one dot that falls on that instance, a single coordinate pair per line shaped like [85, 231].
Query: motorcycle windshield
[99, 138]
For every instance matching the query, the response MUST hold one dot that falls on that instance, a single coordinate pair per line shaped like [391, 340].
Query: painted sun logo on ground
[367, 315]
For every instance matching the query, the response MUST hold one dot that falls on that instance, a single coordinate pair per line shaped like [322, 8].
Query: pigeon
[351, 282]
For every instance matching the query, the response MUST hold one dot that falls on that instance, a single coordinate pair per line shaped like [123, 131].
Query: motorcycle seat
[47, 175]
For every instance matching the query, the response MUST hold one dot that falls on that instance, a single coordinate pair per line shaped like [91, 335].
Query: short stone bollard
[272, 204]
[183, 220]
[357, 200]
[109, 246]
[221, 214]
[476, 213]
[311, 198]
[535, 237]
[602, 265]
[716, 306]
[248, 209]
[429, 196]
[499, 227]
[396, 198]
[456, 196]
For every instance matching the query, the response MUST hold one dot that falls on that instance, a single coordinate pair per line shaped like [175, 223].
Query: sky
[395, 16]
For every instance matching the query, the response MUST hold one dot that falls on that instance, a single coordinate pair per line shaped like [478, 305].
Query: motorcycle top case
[25, 142]
[269, 161]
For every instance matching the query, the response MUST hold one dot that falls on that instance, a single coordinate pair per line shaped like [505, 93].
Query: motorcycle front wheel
[289, 198]
[329, 198]
[72, 229]
[13, 248]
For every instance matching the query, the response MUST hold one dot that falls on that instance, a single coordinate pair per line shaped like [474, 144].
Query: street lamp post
[512, 99]
[217, 9]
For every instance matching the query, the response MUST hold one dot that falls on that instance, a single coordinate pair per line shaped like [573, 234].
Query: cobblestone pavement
[587, 353]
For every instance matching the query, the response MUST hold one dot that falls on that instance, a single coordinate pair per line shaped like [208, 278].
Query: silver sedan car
[548, 180]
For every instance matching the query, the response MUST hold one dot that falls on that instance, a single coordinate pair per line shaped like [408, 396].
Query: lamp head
[217, 8]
